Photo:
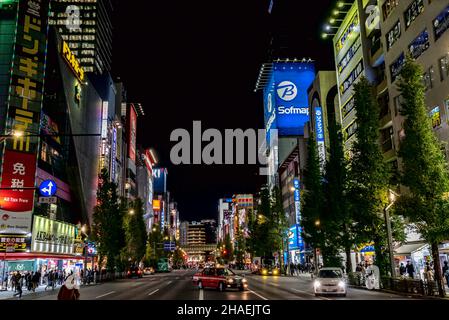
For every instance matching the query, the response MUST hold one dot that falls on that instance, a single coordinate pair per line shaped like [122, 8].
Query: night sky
[199, 60]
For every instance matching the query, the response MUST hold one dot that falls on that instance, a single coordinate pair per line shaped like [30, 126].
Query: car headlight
[230, 280]
[317, 284]
[341, 284]
[244, 281]
[264, 271]
[275, 271]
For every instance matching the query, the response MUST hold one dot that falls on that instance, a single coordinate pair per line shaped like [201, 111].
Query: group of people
[298, 268]
[15, 281]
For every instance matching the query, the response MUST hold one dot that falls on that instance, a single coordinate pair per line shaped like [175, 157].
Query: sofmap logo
[287, 90]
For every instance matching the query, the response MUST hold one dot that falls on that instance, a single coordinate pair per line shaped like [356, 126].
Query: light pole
[392, 197]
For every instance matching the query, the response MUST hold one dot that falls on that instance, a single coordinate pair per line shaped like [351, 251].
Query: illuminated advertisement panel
[286, 101]
[319, 127]
[352, 27]
[295, 241]
[51, 236]
[132, 124]
[419, 45]
[160, 180]
[24, 109]
[441, 23]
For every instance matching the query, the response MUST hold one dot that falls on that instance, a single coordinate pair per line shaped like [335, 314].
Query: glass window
[413, 11]
[441, 23]
[330, 274]
[419, 45]
[393, 34]
[388, 7]
[444, 67]
[428, 78]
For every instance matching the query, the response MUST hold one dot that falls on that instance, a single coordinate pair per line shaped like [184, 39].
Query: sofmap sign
[295, 241]
[24, 106]
[52, 236]
[286, 104]
[320, 136]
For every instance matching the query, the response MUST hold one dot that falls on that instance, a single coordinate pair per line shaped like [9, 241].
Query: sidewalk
[39, 291]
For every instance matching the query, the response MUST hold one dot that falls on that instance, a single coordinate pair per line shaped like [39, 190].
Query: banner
[24, 109]
[52, 236]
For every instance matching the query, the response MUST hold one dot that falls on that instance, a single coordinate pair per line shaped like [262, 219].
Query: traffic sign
[48, 200]
[48, 188]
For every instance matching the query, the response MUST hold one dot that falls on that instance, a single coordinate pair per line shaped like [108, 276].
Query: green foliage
[312, 197]
[425, 170]
[368, 174]
[108, 231]
[336, 218]
[155, 249]
[135, 232]
[228, 255]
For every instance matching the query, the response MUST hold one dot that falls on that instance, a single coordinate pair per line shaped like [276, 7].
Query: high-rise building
[86, 25]
[196, 234]
[183, 229]
[210, 229]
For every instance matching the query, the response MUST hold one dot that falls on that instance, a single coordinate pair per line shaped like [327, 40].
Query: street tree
[135, 232]
[368, 175]
[313, 199]
[108, 231]
[425, 171]
[154, 250]
[277, 221]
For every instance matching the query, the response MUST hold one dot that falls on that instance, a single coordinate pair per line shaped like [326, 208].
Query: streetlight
[333, 20]
[131, 212]
[341, 4]
[324, 35]
[392, 198]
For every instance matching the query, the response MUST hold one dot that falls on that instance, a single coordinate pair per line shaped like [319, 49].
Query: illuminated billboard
[24, 106]
[160, 180]
[295, 241]
[132, 131]
[285, 98]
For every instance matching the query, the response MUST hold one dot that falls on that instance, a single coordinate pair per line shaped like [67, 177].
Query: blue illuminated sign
[295, 241]
[162, 219]
[160, 180]
[114, 153]
[296, 195]
[296, 183]
[48, 188]
[319, 124]
[285, 98]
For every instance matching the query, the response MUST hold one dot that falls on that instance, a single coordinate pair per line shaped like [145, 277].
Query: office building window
[413, 11]
[428, 78]
[419, 45]
[388, 7]
[393, 34]
[444, 67]
[397, 105]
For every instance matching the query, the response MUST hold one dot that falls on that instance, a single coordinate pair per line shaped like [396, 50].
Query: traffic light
[224, 252]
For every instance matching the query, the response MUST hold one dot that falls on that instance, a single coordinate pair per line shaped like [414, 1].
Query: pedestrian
[49, 280]
[446, 272]
[428, 273]
[410, 269]
[402, 270]
[292, 268]
[19, 284]
[69, 290]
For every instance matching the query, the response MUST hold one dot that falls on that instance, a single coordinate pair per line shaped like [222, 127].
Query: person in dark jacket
[410, 269]
[19, 284]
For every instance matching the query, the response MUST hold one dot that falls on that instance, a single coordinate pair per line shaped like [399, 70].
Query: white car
[330, 281]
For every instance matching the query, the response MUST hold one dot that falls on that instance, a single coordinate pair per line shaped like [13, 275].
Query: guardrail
[400, 285]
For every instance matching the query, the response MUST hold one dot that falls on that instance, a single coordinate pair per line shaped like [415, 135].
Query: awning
[408, 248]
[31, 255]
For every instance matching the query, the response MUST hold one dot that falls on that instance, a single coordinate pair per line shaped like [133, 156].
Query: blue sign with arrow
[48, 188]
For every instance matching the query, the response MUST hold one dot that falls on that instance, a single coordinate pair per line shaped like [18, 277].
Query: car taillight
[139, 272]
[129, 272]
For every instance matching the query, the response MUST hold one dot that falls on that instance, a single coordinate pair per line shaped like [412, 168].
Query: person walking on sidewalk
[19, 284]
[410, 269]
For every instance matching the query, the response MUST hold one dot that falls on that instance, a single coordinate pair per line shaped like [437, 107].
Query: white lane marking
[153, 292]
[177, 278]
[169, 282]
[258, 295]
[201, 297]
[104, 295]
[275, 284]
[310, 294]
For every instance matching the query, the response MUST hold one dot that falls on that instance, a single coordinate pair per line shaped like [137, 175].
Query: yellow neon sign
[72, 61]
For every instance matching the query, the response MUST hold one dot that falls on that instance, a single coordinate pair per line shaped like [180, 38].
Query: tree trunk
[437, 268]
[348, 259]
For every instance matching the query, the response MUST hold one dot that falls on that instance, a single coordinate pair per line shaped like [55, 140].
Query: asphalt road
[177, 285]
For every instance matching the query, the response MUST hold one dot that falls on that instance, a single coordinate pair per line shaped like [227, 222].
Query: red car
[219, 278]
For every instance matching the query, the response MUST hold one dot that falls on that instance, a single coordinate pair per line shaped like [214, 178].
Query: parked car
[148, 271]
[268, 268]
[134, 272]
[330, 281]
[219, 278]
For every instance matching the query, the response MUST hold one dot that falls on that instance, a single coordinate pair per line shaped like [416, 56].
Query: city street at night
[256, 150]
[177, 285]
